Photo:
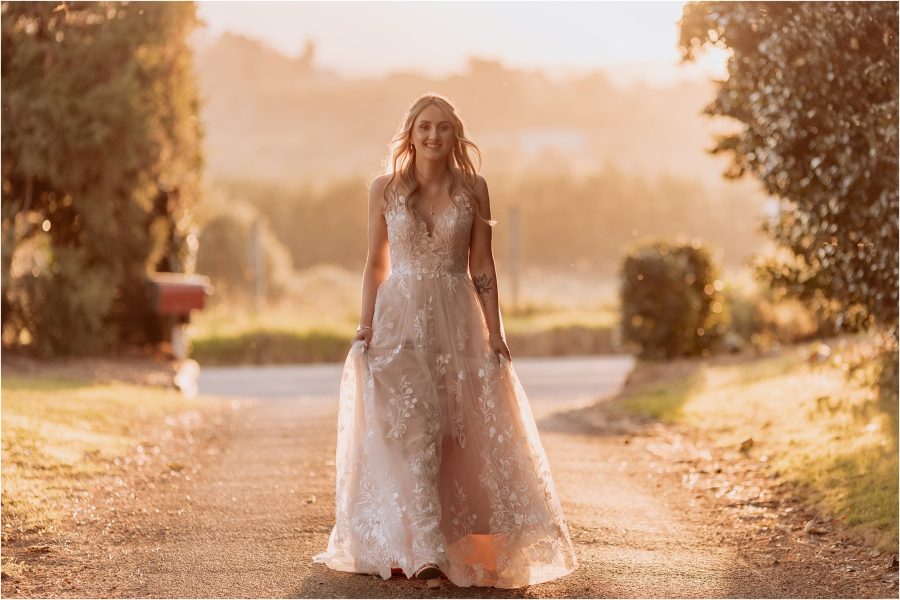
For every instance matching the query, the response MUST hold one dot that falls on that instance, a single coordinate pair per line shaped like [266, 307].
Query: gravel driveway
[244, 497]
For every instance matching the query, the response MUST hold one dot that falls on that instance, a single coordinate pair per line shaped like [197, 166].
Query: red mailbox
[176, 294]
[172, 297]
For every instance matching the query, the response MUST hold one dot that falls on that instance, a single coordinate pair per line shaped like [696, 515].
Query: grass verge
[834, 436]
[59, 436]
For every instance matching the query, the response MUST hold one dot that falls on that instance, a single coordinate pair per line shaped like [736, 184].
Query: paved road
[552, 384]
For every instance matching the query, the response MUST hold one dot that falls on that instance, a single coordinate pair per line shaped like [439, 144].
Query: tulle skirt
[438, 456]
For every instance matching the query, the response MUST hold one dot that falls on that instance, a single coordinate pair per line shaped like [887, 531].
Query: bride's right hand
[364, 335]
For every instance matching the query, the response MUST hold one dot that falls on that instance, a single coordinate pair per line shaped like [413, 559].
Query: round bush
[672, 302]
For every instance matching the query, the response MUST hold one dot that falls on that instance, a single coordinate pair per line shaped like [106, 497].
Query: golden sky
[632, 41]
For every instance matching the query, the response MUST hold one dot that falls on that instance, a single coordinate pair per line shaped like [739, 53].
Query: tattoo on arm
[483, 284]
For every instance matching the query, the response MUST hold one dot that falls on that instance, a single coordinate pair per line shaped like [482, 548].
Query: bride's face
[432, 134]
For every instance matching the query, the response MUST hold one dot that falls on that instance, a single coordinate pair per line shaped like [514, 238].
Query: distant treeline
[586, 223]
[275, 117]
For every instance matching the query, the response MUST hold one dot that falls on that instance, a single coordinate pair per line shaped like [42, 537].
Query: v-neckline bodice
[437, 218]
[436, 246]
[420, 220]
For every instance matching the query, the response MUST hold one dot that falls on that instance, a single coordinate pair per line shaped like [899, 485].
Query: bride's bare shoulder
[481, 185]
[379, 184]
[474, 186]
[378, 196]
[480, 191]
[382, 186]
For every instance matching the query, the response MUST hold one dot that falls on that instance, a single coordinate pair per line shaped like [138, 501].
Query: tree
[100, 119]
[815, 87]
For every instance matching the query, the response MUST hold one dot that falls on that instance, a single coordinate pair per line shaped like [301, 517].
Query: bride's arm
[481, 261]
[378, 258]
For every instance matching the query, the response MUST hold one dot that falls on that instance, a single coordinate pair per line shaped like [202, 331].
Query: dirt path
[652, 514]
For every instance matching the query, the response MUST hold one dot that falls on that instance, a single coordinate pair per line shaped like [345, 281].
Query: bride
[440, 470]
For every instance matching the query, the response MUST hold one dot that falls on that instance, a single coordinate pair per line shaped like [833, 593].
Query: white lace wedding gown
[438, 456]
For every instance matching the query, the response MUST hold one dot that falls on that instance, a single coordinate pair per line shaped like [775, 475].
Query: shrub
[760, 316]
[672, 303]
[61, 308]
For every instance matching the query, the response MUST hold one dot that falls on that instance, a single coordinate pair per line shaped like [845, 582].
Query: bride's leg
[410, 429]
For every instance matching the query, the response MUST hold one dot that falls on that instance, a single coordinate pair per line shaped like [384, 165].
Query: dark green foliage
[66, 303]
[671, 301]
[760, 318]
[815, 86]
[101, 165]
[225, 256]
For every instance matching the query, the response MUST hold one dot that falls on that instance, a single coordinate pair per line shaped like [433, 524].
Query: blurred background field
[316, 319]
[583, 158]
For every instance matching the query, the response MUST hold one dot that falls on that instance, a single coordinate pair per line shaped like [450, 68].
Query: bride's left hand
[498, 346]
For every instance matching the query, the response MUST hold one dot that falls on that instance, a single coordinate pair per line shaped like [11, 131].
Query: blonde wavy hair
[401, 160]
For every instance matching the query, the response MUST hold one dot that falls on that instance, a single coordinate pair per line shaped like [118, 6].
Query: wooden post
[515, 254]
[258, 264]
